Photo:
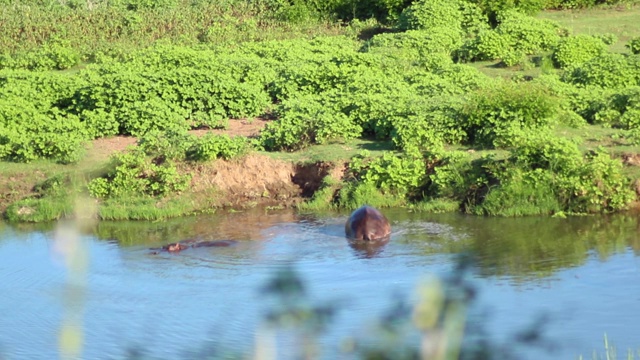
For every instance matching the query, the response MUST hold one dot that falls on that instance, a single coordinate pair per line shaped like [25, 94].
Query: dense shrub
[516, 35]
[165, 145]
[376, 113]
[356, 193]
[430, 125]
[576, 50]
[427, 15]
[588, 103]
[495, 8]
[33, 124]
[520, 193]
[634, 45]
[546, 174]
[474, 20]
[402, 175]
[583, 184]
[384, 10]
[612, 108]
[453, 176]
[28, 132]
[158, 93]
[498, 117]
[304, 121]
[49, 56]
[607, 70]
[544, 151]
[529, 34]
[607, 38]
[135, 173]
[424, 42]
[135, 5]
[124, 101]
[212, 146]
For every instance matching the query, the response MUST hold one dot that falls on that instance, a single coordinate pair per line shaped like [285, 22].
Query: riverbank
[310, 179]
[467, 114]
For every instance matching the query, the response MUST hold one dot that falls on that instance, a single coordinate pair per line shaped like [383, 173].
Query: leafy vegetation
[406, 84]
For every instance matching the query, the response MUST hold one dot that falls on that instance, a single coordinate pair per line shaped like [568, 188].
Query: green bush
[614, 108]
[135, 5]
[427, 15]
[452, 176]
[170, 87]
[547, 152]
[27, 133]
[498, 117]
[430, 126]
[607, 70]
[607, 38]
[474, 20]
[383, 10]
[50, 56]
[33, 121]
[599, 185]
[495, 8]
[576, 50]
[517, 34]
[520, 193]
[634, 45]
[212, 146]
[134, 173]
[355, 194]
[402, 175]
[582, 184]
[166, 145]
[489, 45]
[424, 42]
[572, 4]
[305, 121]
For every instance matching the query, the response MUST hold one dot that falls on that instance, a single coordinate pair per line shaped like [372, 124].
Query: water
[574, 279]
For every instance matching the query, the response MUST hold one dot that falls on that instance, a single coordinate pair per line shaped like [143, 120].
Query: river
[542, 287]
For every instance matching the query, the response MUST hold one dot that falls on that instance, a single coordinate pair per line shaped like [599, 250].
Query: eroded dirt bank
[260, 180]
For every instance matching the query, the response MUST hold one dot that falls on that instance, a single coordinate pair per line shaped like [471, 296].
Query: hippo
[368, 224]
[179, 246]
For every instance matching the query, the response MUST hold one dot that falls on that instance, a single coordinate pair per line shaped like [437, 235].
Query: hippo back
[367, 224]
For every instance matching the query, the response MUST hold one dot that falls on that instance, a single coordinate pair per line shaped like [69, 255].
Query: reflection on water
[368, 250]
[581, 272]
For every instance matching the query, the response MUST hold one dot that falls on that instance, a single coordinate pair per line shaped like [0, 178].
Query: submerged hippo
[179, 246]
[367, 224]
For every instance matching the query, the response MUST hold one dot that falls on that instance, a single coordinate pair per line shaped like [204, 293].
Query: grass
[593, 136]
[436, 206]
[40, 210]
[495, 68]
[620, 20]
[611, 353]
[334, 151]
[145, 208]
